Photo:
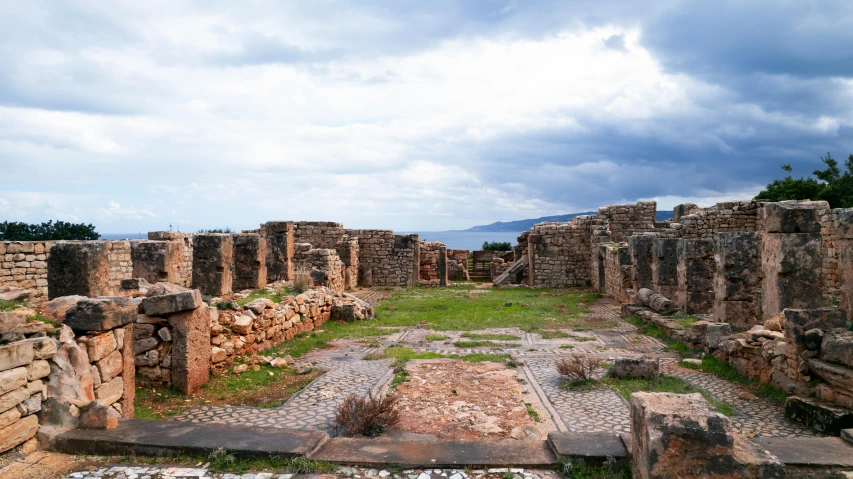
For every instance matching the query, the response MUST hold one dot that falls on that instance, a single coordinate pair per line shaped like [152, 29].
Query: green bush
[497, 246]
[60, 230]
[216, 230]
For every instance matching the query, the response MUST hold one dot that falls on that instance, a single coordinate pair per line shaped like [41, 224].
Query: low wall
[24, 265]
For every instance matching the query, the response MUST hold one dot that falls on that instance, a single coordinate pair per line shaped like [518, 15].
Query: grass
[664, 384]
[8, 305]
[483, 344]
[583, 338]
[402, 354]
[686, 321]
[532, 412]
[267, 387]
[275, 297]
[553, 334]
[491, 337]
[582, 471]
[221, 461]
[435, 337]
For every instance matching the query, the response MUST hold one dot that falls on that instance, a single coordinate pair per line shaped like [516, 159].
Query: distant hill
[524, 225]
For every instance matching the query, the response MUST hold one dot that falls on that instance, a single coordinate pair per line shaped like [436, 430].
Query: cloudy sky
[411, 115]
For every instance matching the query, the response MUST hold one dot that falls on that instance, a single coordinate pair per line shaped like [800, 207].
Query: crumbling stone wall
[157, 261]
[629, 219]
[212, 260]
[24, 265]
[279, 236]
[559, 253]
[696, 270]
[724, 217]
[324, 266]
[347, 249]
[433, 263]
[457, 265]
[87, 268]
[386, 259]
[250, 262]
[641, 248]
[120, 263]
[320, 234]
[185, 240]
[665, 267]
[737, 280]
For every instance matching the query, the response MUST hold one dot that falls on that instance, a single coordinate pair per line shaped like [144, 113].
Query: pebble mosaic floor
[167, 472]
[587, 411]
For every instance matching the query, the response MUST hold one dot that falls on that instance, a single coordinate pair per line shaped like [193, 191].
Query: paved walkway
[601, 410]
[173, 472]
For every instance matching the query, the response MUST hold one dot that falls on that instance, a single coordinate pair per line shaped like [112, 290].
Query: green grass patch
[583, 339]
[664, 384]
[491, 337]
[221, 461]
[485, 357]
[483, 344]
[553, 334]
[275, 297]
[712, 365]
[772, 394]
[400, 377]
[435, 337]
[582, 471]
[10, 305]
[532, 412]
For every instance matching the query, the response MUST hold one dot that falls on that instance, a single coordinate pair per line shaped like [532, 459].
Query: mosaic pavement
[170, 472]
[583, 411]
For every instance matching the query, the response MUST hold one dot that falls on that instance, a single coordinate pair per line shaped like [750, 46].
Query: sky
[406, 114]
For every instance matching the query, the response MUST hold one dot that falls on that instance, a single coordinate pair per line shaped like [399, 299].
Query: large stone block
[641, 248]
[799, 321]
[636, 368]
[190, 361]
[665, 266]
[172, 303]
[737, 279]
[101, 314]
[110, 391]
[157, 260]
[696, 269]
[791, 265]
[818, 415]
[837, 347]
[128, 372]
[212, 257]
[78, 268]
[279, 237]
[681, 436]
[250, 262]
[790, 218]
[12, 379]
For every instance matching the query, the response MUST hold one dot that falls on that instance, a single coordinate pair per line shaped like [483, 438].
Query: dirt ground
[454, 399]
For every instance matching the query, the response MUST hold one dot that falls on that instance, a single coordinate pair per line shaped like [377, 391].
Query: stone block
[10, 319]
[818, 415]
[98, 416]
[665, 266]
[13, 398]
[790, 218]
[101, 314]
[128, 373]
[190, 360]
[172, 303]
[110, 366]
[837, 347]
[696, 269]
[78, 268]
[12, 379]
[37, 369]
[799, 321]
[18, 432]
[9, 417]
[43, 347]
[57, 308]
[212, 258]
[110, 391]
[791, 266]
[250, 262]
[683, 436]
[737, 264]
[16, 354]
[135, 284]
[838, 376]
[636, 368]
[157, 261]
[100, 346]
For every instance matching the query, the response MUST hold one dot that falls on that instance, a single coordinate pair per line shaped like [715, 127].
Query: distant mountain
[524, 225]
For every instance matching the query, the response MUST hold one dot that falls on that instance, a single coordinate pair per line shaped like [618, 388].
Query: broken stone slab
[43, 347]
[135, 284]
[838, 376]
[98, 416]
[12, 379]
[511, 272]
[635, 368]
[190, 359]
[798, 321]
[17, 433]
[162, 305]
[101, 314]
[161, 288]
[57, 308]
[656, 301]
[819, 415]
[9, 319]
[837, 347]
[588, 447]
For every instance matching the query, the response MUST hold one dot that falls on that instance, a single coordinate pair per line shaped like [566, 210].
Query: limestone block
[818, 415]
[190, 359]
[13, 398]
[12, 379]
[57, 308]
[798, 321]
[110, 391]
[790, 218]
[18, 432]
[212, 258]
[100, 346]
[78, 268]
[837, 347]
[156, 261]
[16, 354]
[791, 265]
[172, 303]
[10, 319]
[101, 314]
[636, 368]
[98, 416]
[110, 366]
[250, 261]
[37, 369]
[9, 417]
[242, 325]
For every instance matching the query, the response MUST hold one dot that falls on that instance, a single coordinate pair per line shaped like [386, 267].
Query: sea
[453, 239]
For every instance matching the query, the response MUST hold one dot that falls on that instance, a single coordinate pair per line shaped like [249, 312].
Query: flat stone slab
[809, 451]
[593, 447]
[148, 437]
[381, 452]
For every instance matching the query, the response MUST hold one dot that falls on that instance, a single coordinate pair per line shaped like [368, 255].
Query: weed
[366, 415]
[579, 367]
[302, 281]
[435, 337]
[583, 471]
[553, 334]
[492, 337]
[532, 412]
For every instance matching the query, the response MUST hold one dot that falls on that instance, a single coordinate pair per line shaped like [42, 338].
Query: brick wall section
[24, 370]
[185, 271]
[617, 267]
[121, 266]
[23, 264]
[386, 259]
[320, 234]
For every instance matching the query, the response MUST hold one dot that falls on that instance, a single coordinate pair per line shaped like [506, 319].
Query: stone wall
[626, 220]
[433, 264]
[280, 249]
[348, 249]
[157, 261]
[386, 259]
[324, 266]
[724, 217]
[185, 269]
[249, 269]
[617, 266]
[559, 253]
[88, 268]
[457, 265]
[213, 255]
[24, 265]
[320, 234]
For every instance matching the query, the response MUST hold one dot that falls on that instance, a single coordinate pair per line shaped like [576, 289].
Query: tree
[830, 185]
[17, 231]
[497, 246]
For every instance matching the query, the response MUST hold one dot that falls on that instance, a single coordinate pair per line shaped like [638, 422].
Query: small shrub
[302, 281]
[366, 415]
[497, 246]
[216, 230]
[579, 367]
